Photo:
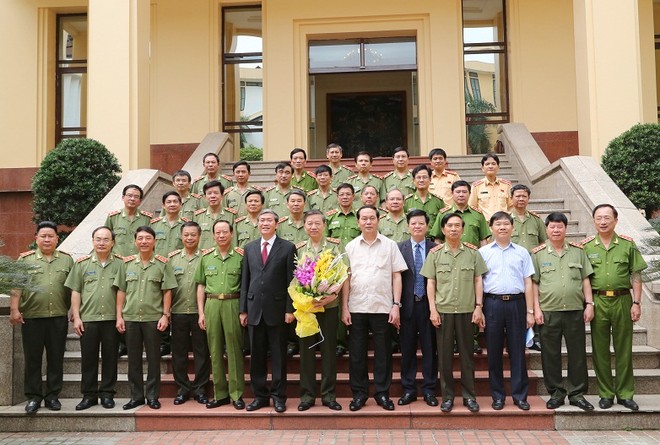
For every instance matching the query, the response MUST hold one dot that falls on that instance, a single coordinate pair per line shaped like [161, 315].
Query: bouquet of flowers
[315, 277]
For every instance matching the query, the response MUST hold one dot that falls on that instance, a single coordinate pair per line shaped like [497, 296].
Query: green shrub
[71, 181]
[252, 153]
[632, 160]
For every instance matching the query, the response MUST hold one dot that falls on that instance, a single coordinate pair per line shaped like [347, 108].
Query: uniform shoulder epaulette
[388, 175]
[312, 174]
[587, 239]
[198, 211]
[228, 178]
[504, 180]
[171, 254]
[578, 245]
[297, 188]
[114, 212]
[185, 219]
[384, 215]
[64, 253]
[145, 213]
[196, 195]
[237, 220]
[228, 189]
[479, 182]
[350, 178]
[268, 189]
[239, 250]
[83, 258]
[312, 192]
[531, 212]
[128, 259]
[377, 176]
[161, 258]
[282, 220]
[626, 237]
[451, 172]
[538, 248]
[444, 209]
[331, 212]
[476, 209]
[333, 240]
[345, 168]
[470, 245]
[198, 178]
[256, 187]
[155, 220]
[436, 248]
[409, 196]
[24, 254]
[119, 257]
[230, 210]
[301, 244]
[207, 251]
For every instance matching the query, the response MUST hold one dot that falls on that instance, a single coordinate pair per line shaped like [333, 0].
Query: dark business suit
[415, 324]
[265, 299]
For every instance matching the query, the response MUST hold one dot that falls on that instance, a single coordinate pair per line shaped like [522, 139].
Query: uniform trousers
[328, 324]
[506, 319]
[612, 317]
[361, 324]
[458, 326]
[224, 332]
[39, 334]
[570, 326]
[185, 329]
[139, 335]
[417, 329]
[262, 339]
[101, 335]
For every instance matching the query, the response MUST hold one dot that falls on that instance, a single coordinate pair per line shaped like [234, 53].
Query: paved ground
[341, 437]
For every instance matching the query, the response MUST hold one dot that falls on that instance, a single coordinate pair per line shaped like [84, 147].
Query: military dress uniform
[392, 180]
[245, 231]
[395, 229]
[340, 176]
[440, 185]
[199, 183]
[476, 228]
[235, 199]
[324, 203]
[124, 229]
[431, 206]
[491, 197]
[528, 232]
[185, 327]
[373, 180]
[221, 278]
[559, 278]
[45, 323]
[143, 307]
[290, 230]
[189, 204]
[455, 299]
[94, 282]
[307, 181]
[275, 199]
[168, 236]
[206, 218]
[610, 283]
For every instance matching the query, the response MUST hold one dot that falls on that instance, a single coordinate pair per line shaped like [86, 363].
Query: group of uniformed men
[184, 272]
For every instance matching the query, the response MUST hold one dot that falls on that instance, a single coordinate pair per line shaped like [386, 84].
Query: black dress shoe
[201, 399]
[180, 399]
[32, 407]
[341, 351]
[430, 400]
[630, 404]
[53, 404]
[472, 405]
[133, 404]
[292, 349]
[108, 402]
[333, 405]
[554, 403]
[536, 346]
[280, 406]
[477, 349]
[218, 403]
[522, 404]
[357, 403]
[239, 404]
[498, 404]
[582, 404]
[604, 403]
[165, 350]
[407, 399]
[153, 404]
[446, 406]
[86, 403]
[122, 351]
[304, 406]
[385, 402]
[257, 404]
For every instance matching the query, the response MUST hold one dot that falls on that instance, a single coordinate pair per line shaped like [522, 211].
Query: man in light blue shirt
[508, 308]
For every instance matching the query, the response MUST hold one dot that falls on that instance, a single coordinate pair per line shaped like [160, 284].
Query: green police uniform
[45, 324]
[476, 228]
[328, 324]
[189, 204]
[394, 229]
[454, 273]
[340, 176]
[611, 285]
[206, 218]
[528, 232]
[245, 231]
[431, 206]
[373, 180]
[290, 230]
[393, 181]
[143, 307]
[307, 181]
[342, 226]
[185, 327]
[324, 203]
[98, 298]
[124, 229]
[168, 236]
[199, 183]
[559, 278]
[221, 278]
[275, 199]
[235, 199]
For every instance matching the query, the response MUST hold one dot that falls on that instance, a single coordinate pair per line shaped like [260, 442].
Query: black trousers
[361, 324]
[413, 331]
[459, 327]
[185, 329]
[262, 339]
[101, 335]
[143, 335]
[39, 334]
[328, 347]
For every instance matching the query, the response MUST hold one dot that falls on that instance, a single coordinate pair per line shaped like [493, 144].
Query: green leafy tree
[251, 153]
[632, 160]
[13, 275]
[71, 180]
[477, 134]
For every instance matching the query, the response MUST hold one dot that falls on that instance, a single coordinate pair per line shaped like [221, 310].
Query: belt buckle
[609, 293]
[505, 297]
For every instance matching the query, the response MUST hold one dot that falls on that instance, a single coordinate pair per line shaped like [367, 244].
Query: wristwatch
[638, 303]
[397, 303]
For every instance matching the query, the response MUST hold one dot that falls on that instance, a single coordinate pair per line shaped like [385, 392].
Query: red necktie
[264, 253]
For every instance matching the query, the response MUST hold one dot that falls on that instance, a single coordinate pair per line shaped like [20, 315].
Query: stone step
[647, 381]
[546, 203]
[644, 357]
[616, 418]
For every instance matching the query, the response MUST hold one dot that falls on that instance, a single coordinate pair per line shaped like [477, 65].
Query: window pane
[483, 21]
[72, 38]
[242, 30]
[390, 52]
[334, 54]
[243, 93]
[485, 80]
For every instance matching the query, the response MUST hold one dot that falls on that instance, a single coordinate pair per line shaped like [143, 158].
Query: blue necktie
[419, 279]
